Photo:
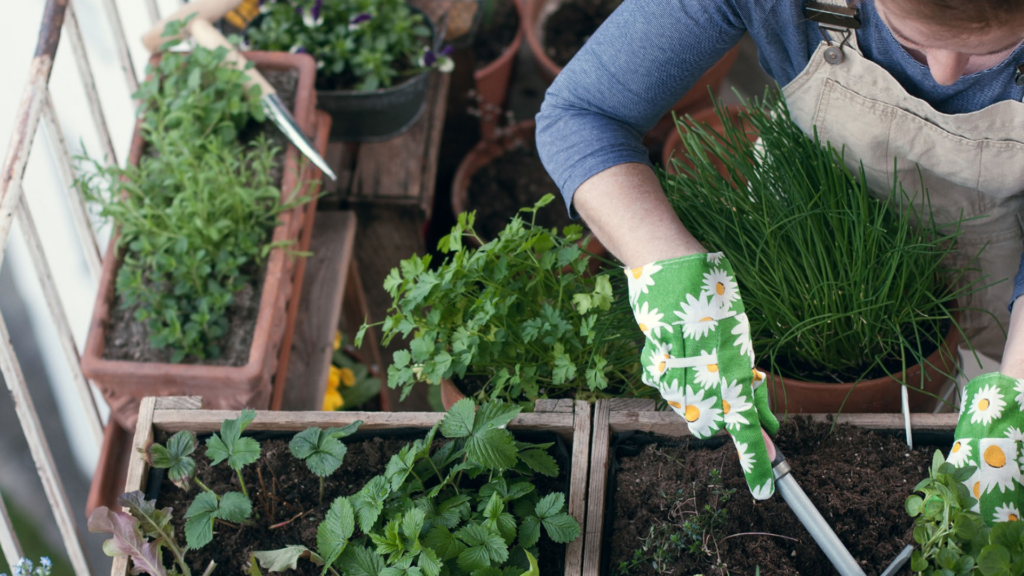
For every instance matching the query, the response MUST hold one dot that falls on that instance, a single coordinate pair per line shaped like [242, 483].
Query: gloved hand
[989, 436]
[698, 354]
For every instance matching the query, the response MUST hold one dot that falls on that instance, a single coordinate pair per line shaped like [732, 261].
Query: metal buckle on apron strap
[1019, 78]
[832, 18]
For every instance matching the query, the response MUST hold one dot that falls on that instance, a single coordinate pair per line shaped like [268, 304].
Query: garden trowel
[823, 535]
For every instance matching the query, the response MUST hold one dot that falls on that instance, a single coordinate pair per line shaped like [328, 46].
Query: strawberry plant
[196, 213]
[321, 450]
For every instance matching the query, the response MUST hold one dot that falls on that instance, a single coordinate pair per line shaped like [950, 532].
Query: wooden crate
[628, 415]
[173, 414]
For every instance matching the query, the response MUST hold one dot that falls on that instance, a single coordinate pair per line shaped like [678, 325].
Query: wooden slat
[631, 404]
[210, 420]
[403, 169]
[600, 441]
[669, 424]
[9, 544]
[179, 403]
[323, 289]
[563, 405]
[578, 484]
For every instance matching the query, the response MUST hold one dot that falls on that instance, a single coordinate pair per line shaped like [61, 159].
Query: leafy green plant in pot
[849, 296]
[518, 318]
[373, 57]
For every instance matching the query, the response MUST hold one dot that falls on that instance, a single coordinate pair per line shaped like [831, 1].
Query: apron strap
[835, 19]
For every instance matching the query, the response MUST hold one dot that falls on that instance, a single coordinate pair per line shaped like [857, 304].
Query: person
[931, 84]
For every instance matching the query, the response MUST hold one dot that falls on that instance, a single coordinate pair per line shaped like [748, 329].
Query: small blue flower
[356, 21]
[45, 562]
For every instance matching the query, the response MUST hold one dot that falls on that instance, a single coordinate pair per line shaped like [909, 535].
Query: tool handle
[209, 37]
[209, 10]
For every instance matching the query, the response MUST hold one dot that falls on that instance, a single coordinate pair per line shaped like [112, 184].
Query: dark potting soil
[128, 338]
[572, 24]
[296, 492]
[496, 35]
[857, 479]
[514, 180]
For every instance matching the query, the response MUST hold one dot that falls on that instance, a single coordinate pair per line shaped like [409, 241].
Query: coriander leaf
[368, 503]
[361, 561]
[550, 505]
[286, 558]
[561, 528]
[442, 541]
[333, 534]
[175, 457]
[154, 523]
[458, 422]
[529, 532]
[234, 507]
[492, 449]
[127, 540]
[540, 461]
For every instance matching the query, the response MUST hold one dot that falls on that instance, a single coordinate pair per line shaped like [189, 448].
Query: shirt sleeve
[639, 63]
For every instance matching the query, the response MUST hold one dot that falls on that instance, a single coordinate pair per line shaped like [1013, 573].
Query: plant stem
[759, 534]
[321, 489]
[288, 521]
[203, 486]
[209, 568]
[242, 482]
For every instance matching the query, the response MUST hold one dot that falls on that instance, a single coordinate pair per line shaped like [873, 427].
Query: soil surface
[572, 24]
[857, 479]
[495, 36]
[514, 180]
[128, 338]
[296, 490]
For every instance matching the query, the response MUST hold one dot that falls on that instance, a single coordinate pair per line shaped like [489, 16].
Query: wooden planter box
[570, 420]
[626, 415]
[125, 383]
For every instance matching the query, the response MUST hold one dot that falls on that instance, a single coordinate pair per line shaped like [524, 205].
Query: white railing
[60, 22]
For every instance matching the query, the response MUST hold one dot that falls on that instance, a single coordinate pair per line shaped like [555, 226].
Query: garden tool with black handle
[209, 37]
[823, 535]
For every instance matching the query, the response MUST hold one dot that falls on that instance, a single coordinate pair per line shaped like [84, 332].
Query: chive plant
[839, 285]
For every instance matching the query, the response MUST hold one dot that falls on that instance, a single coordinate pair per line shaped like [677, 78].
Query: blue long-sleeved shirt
[651, 52]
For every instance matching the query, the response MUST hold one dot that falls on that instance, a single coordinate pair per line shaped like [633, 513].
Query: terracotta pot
[493, 81]
[112, 468]
[880, 395]
[674, 143]
[450, 394]
[125, 383]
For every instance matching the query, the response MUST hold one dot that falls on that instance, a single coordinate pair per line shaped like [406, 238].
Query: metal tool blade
[279, 114]
[900, 560]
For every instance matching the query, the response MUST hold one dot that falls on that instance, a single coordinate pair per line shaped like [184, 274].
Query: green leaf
[474, 558]
[994, 560]
[176, 458]
[390, 542]
[155, 523]
[494, 415]
[199, 520]
[333, 534]
[321, 449]
[234, 507]
[561, 528]
[493, 449]
[361, 561]
[230, 446]
[914, 505]
[534, 568]
[484, 547]
[550, 505]
[442, 541]
[412, 525]
[458, 422]
[540, 461]
[286, 558]
[368, 503]
[429, 563]
[529, 532]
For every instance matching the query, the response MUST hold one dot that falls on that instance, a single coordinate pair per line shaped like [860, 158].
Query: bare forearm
[626, 209]
[1013, 354]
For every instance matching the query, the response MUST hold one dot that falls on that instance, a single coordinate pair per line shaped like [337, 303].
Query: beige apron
[970, 163]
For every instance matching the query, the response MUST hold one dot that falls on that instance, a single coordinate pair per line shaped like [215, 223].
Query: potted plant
[348, 493]
[848, 295]
[495, 47]
[352, 384]
[373, 58]
[518, 318]
[674, 149]
[701, 519]
[195, 284]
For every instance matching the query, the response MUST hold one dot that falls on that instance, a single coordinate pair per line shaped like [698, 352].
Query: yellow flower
[333, 400]
[348, 378]
[333, 378]
[337, 339]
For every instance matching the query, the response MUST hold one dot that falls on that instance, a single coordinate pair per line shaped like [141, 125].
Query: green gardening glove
[698, 354]
[988, 437]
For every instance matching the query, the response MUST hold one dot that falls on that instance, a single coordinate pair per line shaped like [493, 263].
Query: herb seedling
[229, 445]
[520, 315]
[176, 457]
[321, 450]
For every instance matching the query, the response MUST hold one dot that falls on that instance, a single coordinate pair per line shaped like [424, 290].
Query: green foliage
[953, 540]
[231, 446]
[176, 457]
[836, 283]
[196, 213]
[447, 509]
[321, 449]
[208, 507]
[521, 314]
[367, 55]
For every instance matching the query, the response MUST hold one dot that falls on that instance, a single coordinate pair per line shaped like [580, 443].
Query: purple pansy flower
[298, 49]
[312, 18]
[356, 21]
[441, 58]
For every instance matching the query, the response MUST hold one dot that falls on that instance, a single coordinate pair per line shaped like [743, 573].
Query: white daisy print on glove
[650, 322]
[764, 491]
[747, 459]
[708, 374]
[721, 287]
[698, 317]
[715, 257]
[1015, 433]
[1007, 513]
[987, 405]
[998, 464]
[734, 404]
[1019, 387]
[674, 396]
[960, 454]
[974, 486]
[638, 280]
[659, 360]
[701, 415]
[742, 333]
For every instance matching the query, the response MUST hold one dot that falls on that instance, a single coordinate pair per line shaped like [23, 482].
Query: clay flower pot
[450, 393]
[881, 395]
[493, 81]
[125, 383]
[674, 147]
